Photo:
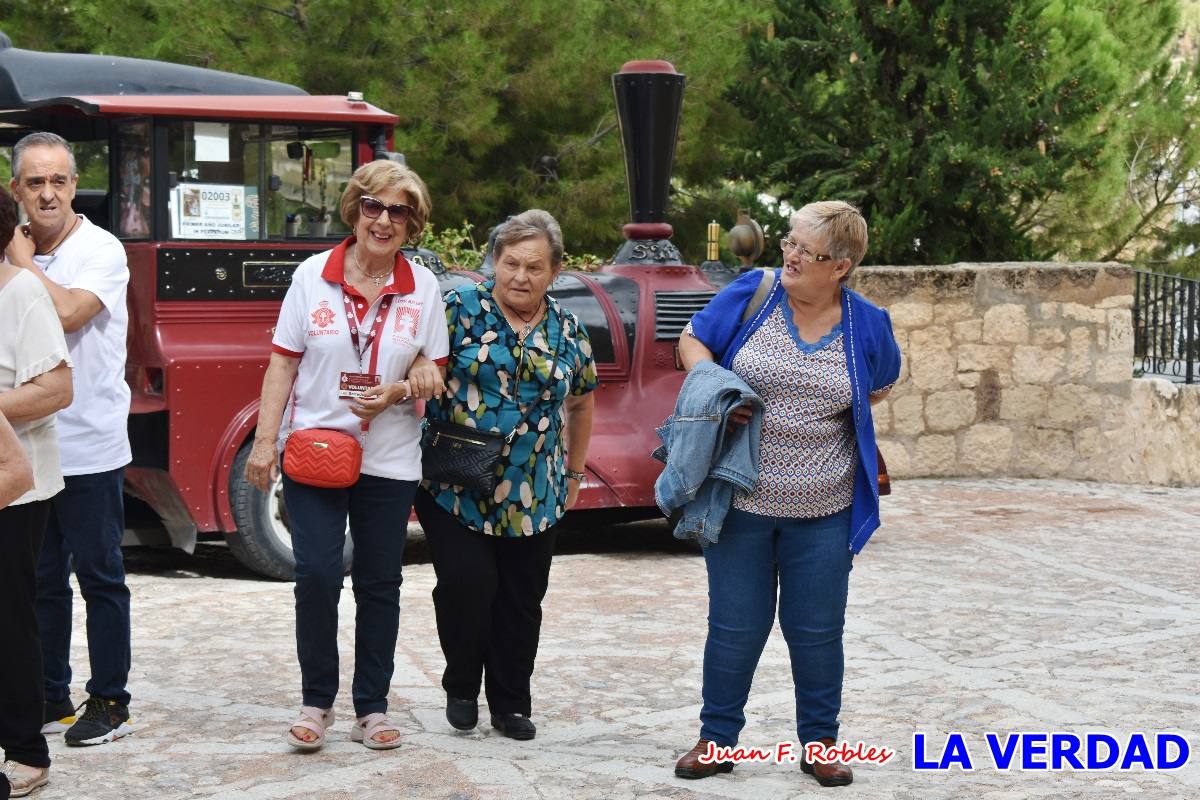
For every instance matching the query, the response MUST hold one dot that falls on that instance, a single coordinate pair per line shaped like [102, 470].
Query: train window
[213, 190]
[577, 298]
[133, 180]
[232, 180]
[308, 170]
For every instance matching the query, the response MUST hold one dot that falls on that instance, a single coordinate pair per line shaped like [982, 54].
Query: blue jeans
[87, 523]
[804, 565]
[378, 510]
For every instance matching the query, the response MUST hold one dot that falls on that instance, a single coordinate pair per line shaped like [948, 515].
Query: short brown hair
[530, 225]
[841, 224]
[377, 176]
[8, 218]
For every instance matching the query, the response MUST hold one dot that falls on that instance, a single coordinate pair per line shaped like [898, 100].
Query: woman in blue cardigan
[819, 355]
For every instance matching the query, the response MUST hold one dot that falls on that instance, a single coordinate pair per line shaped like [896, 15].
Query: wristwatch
[577, 476]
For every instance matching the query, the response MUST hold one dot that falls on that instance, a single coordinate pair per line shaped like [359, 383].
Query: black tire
[262, 541]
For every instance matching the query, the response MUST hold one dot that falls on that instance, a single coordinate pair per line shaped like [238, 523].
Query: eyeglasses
[787, 245]
[398, 213]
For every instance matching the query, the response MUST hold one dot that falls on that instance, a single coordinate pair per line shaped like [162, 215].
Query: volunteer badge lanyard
[353, 384]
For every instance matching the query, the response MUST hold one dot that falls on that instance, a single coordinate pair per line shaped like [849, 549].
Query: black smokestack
[649, 96]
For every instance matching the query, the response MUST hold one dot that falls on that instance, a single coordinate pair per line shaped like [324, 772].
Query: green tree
[501, 107]
[964, 128]
[1128, 202]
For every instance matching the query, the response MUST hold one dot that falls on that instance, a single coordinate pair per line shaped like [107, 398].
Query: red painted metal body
[633, 399]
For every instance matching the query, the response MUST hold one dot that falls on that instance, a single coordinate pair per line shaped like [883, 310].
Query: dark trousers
[488, 603]
[21, 695]
[378, 510]
[87, 522]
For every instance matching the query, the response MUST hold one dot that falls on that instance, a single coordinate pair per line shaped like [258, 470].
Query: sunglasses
[398, 213]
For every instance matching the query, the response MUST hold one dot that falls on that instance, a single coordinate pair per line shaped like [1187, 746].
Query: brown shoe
[835, 774]
[690, 766]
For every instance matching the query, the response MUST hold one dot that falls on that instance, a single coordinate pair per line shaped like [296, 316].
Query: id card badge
[352, 384]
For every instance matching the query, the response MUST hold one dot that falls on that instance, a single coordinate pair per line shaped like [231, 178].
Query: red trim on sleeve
[443, 361]
[283, 351]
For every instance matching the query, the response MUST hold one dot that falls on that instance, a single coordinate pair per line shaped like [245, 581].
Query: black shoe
[463, 715]
[102, 722]
[58, 716]
[514, 726]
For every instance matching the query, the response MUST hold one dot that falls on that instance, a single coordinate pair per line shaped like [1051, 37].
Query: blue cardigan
[872, 359]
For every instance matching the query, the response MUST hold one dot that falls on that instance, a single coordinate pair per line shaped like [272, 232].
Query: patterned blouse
[808, 455]
[484, 350]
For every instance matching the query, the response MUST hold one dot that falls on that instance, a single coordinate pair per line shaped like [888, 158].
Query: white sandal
[367, 728]
[311, 719]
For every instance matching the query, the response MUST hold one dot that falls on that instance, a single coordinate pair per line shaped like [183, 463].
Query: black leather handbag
[464, 456]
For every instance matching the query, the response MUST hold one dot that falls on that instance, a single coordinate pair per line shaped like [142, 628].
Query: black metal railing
[1166, 326]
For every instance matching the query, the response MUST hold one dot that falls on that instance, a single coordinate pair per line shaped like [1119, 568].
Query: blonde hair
[841, 224]
[378, 176]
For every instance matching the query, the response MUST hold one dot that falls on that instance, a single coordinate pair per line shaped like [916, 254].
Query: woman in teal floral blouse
[511, 345]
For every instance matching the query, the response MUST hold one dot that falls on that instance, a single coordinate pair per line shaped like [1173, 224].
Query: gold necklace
[375, 279]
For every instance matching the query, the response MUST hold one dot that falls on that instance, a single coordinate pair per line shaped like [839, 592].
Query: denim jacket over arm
[872, 359]
[705, 462]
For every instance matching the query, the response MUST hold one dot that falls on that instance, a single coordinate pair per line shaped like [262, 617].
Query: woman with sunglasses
[819, 355]
[353, 322]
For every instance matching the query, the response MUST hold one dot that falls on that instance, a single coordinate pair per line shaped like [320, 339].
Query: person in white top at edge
[83, 267]
[398, 314]
[35, 382]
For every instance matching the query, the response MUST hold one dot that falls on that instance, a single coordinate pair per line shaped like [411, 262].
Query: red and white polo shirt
[313, 327]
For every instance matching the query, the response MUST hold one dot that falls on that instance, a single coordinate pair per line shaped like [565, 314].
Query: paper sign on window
[210, 211]
[212, 141]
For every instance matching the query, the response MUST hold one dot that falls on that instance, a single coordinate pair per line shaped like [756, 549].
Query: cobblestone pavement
[980, 606]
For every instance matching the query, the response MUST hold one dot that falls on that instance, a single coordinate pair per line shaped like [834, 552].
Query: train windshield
[243, 181]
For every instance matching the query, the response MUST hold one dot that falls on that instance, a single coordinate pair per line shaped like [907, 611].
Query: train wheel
[263, 540]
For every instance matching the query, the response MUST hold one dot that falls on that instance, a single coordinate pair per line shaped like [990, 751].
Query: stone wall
[1025, 370]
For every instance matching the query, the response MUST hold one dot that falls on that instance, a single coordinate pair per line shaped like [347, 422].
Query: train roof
[33, 82]
[29, 77]
[260, 108]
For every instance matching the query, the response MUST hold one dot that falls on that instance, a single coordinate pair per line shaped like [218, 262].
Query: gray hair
[41, 139]
[841, 224]
[529, 225]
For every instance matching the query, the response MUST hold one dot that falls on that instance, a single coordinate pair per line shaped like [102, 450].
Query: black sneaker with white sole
[102, 722]
[58, 716]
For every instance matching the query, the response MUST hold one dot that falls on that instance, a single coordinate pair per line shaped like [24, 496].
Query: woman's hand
[740, 416]
[22, 247]
[262, 468]
[377, 399]
[572, 492]
[425, 378]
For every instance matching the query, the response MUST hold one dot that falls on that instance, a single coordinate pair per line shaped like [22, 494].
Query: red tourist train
[220, 184]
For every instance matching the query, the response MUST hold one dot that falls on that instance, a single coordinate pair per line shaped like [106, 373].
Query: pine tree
[949, 122]
[1130, 202]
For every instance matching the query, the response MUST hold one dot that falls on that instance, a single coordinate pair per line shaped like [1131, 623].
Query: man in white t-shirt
[84, 269]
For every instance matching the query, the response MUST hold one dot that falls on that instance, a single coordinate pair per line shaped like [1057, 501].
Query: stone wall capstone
[1026, 370]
